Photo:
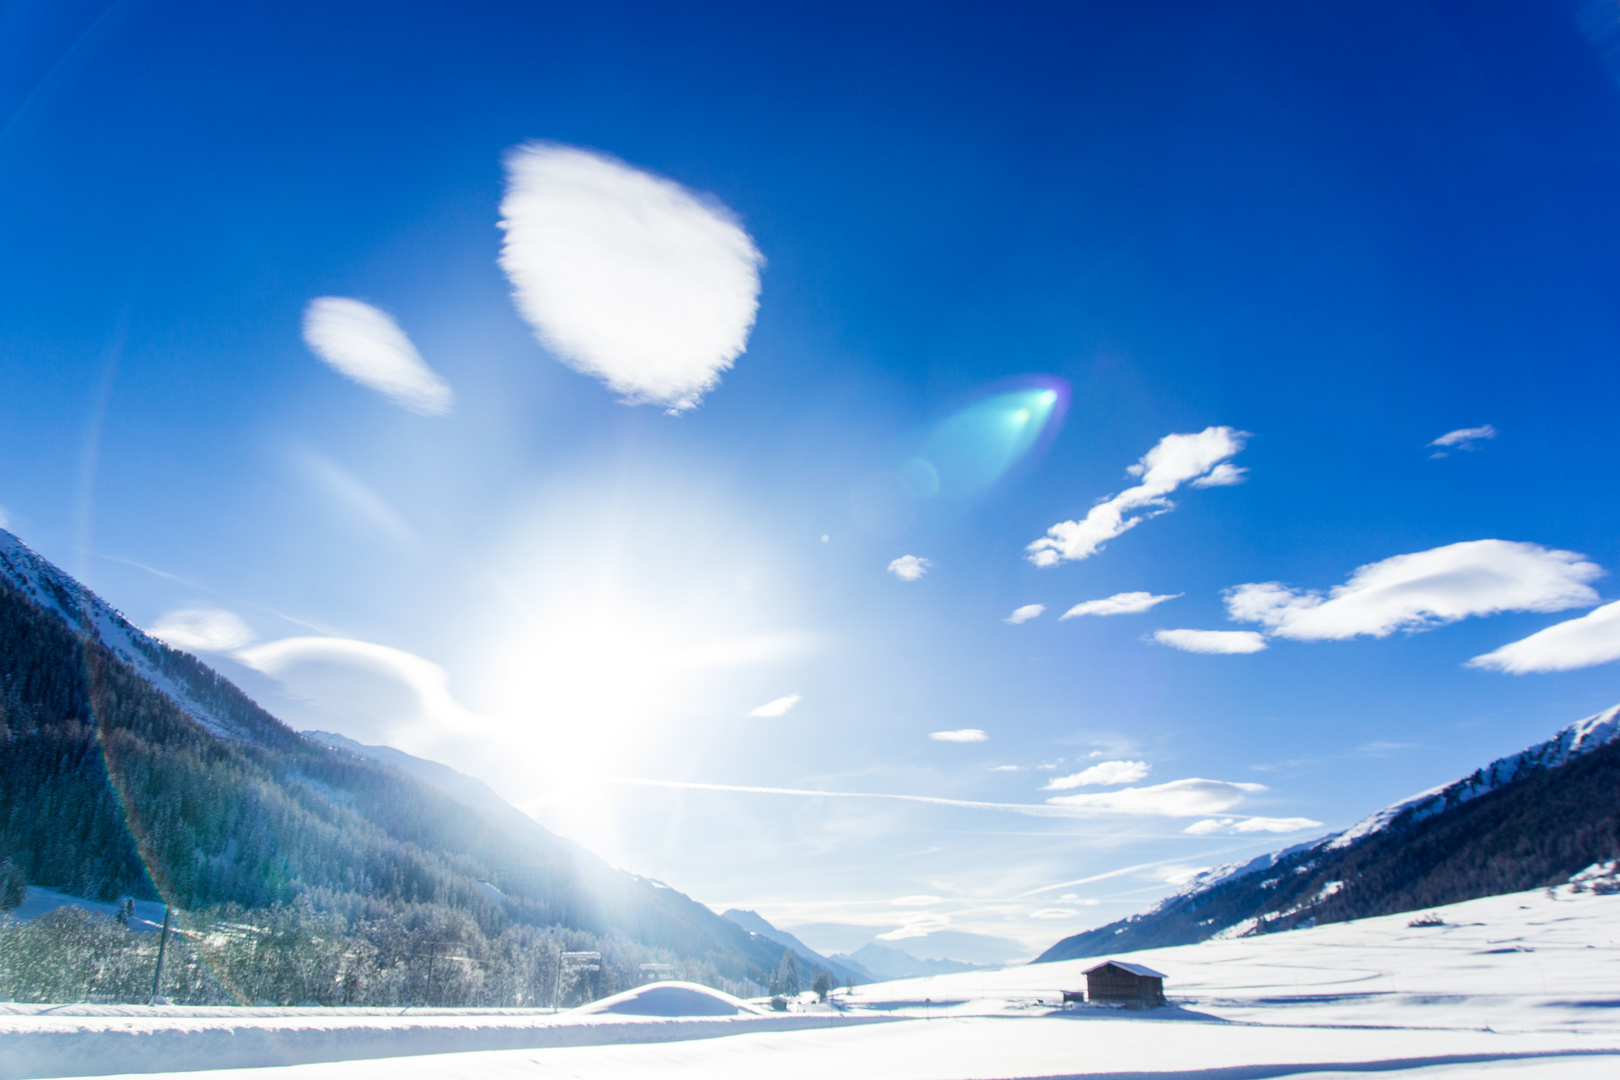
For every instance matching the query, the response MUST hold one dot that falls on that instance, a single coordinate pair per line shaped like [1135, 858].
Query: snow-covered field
[1526, 985]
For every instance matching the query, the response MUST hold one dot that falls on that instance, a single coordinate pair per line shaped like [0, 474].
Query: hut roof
[1134, 969]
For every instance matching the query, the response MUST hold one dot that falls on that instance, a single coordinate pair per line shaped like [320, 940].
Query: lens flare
[976, 446]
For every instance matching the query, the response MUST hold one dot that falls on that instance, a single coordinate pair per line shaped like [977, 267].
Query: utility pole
[163, 941]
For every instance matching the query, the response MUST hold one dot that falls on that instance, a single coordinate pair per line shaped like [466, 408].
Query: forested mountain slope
[1531, 819]
[129, 768]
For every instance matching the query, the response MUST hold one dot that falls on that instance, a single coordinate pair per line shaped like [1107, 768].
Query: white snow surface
[1524, 985]
[89, 615]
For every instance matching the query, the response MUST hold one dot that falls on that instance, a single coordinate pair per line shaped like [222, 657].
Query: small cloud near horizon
[1175, 460]
[971, 734]
[367, 346]
[779, 707]
[1193, 797]
[1245, 826]
[1125, 603]
[1466, 439]
[626, 276]
[202, 630]
[1101, 774]
[1212, 642]
[1025, 613]
[909, 567]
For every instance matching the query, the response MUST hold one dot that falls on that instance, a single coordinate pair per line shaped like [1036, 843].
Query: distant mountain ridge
[128, 768]
[1526, 820]
[755, 923]
[884, 963]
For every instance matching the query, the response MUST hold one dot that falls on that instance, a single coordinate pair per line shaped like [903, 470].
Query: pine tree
[13, 886]
[786, 979]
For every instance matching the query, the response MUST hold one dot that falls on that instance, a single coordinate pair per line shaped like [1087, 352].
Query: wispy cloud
[1054, 913]
[1467, 438]
[1006, 768]
[1101, 774]
[1216, 642]
[202, 630]
[909, 567]
[1176, 460]
[971, 734]
[1025, 613]
[1193, 797]
[779, 707]
[1125, 603]
[368, 346]
[352, 493]
[627, 276]
[1423, 589]
[1592, 639]
[1241, 826]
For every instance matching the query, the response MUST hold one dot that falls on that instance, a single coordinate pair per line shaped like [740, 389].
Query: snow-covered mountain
[1529, 819]
[201, 693]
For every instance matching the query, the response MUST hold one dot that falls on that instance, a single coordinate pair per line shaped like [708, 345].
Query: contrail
[1029, 809]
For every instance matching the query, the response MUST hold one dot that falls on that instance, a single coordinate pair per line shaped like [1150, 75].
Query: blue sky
[281, 385]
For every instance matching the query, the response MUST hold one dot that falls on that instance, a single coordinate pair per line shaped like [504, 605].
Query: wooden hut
[1115, 982]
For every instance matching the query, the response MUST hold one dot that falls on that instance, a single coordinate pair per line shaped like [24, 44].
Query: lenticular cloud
[627, 276]
[1422, 589]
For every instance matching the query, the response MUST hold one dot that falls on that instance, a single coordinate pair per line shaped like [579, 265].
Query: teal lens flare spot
[975, 447]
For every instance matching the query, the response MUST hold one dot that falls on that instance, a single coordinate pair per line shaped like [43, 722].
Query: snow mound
[671, 999]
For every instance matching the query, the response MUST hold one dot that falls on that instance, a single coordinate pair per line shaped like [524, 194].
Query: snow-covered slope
[1581, 737]
[200, 692]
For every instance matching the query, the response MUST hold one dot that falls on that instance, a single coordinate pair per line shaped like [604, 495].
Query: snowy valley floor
[1526, 985]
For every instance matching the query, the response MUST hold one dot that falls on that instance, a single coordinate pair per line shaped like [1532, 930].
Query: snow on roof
[1134, 969]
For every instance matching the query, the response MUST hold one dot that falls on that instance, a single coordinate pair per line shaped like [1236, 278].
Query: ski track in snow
[1524, 985]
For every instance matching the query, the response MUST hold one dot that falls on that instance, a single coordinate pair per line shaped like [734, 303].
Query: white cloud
[1102, 773]
[1592, 639]
[1232, 826]
[1219, 642]
[1125, 603]
[971, 734]
[1006, 768]
[202, 630]
[779, 707]
[1423, 589]
[366, 345]
[1026, 613]
[909, 567]
[1192, 797]
[1053, 913]
[1463, 438]
[627, 276]
[1174, 461]
[1223, 475]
